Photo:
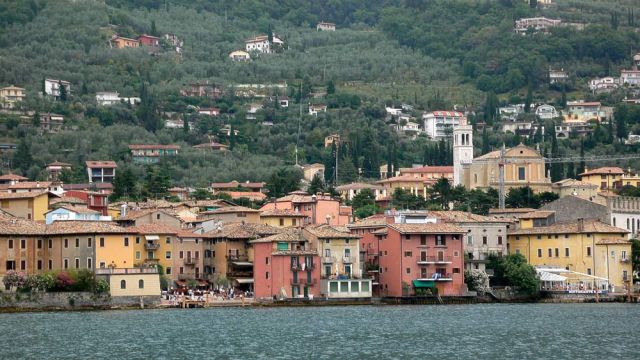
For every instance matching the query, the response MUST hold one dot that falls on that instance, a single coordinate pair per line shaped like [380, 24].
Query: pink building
[286, 265]
[370, 246]
[319, 209]
[417, 257]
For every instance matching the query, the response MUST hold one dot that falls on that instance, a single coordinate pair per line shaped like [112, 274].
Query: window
[623, 255]
[89, 263]
[407, 237]
[500, 240]
[423, 240]
[10, 243]
[588, 250]
[550, 252]
[157, 216]
[266, 261]
[123, 284]
[521, 173]
[89, 244]
[197, 254]
[613, 254]
[39, 264]
[50, 243]
[557, 252]
[539, 253]
[102, 265]
[66, 263]
[39, 244]
[538, 237]
[23, 265]
[168, 240]
[408, 254]
[11, 265]
[126, 242]
[167, 255]
[137, 239]
[168, 271]
[456, 270]
[66, 243]
[266, 275]
[140, 284]
[101, 242]
[566, 252]
[77, 242]
[408, 270]
[181, 254]
[281, 222]
[138, 255]
[283, 246]
[469, 239]
[50, 264]
[589, 271]
[484, 240]
[440, 240]
[23, 244]
[77, 261]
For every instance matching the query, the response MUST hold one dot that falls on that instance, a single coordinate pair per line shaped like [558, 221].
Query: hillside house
[236, 185]
[331, 140]
[325, 26]
[121, 42]
[582, 111]
[310, 171]
[204, 89]
[148, 40]
[173, 40]
[630, 77]
[151, 154]
[209, 111]
[546, 112]
[51, 122]
[10, 96]
[262, 45]
[439, 124]
[55, 168]
[315, 109]
[101, 171]
[239, 55]
[558, 76]
[108, 98]
[52, 87]
[602, 85]
[535, 24]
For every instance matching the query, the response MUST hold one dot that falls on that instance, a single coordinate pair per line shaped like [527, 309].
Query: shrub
[13, 279]
[64, 281]
[101, 286]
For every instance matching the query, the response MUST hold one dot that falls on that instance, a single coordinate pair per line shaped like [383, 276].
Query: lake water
[492, 331]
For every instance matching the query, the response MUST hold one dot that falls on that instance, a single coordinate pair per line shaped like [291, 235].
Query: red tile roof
[235, 184]
[154, 229]
[30, 185]
[572, 227]
[153, 147]
[11, 176]
[604, 171]
[281, 213]
[439, 228]
[22, 195]
[428, 170]
[102, 164]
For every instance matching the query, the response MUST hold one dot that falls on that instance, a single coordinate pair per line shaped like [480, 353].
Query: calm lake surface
[493, 331]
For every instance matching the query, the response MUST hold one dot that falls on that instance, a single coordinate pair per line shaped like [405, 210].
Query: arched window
[627, 224]
[140, 284]
[123, 284]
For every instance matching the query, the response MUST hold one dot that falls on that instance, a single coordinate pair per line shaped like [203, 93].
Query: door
[327, 270]
[306, 291]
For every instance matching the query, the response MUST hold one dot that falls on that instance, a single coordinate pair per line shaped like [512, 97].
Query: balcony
[237, 257]
[348, 259]
[302, 267]
[327, 260]
[151, 261]
[625, 260]
[438, 277]
[295, 282]
[313, 282]
[426, 260]
[151, 246]
[190, 261]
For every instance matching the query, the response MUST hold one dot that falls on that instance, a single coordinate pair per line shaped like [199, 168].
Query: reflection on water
[470, 331]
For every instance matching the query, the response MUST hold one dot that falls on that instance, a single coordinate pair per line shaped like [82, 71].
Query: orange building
[120, 42]
[318, 209]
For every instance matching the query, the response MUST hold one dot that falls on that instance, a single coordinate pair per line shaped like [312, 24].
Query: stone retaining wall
[71, 301]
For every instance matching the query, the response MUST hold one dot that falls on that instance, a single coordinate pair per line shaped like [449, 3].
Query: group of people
[176, 296]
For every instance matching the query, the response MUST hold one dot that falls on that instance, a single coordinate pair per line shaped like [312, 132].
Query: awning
[547, 276]
[242, 263]
[424, 284]
[152, 237]
[245, 281]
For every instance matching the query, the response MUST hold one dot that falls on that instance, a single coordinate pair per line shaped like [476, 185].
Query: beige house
[131, 281]
[575, 187]
[11, 95]
[311, 170]
[523, 166]
[348, 191]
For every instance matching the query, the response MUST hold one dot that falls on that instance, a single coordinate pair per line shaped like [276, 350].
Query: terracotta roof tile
[373, 221]
[439, 228]
[607, 170]
[324, 231]
[244, 231]
[86, 227]
[11, 176]
[281, 213]
[153, 229]
[288, 235]
[572, 227]
[613, 242]
[466, 217]
[22, 195]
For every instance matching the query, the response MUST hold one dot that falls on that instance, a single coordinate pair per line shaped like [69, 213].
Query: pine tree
[331, 87]
[62, 90]
[270, 35]
[316, 185]
[529, 99]
[22, 158]
[610, 135]
[232, 137]
[35, 121]
[582, 163]
[185, 128]
[485, 141]
[154, 31]
[621, 127]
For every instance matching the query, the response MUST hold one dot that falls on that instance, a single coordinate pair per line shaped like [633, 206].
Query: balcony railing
[625, 260]
[151, 246]
[434, 260]
[237, 257]
[348, 259]
[327, 259]
[302, 267]
[439, 277]
[190, 261]
[151, 261]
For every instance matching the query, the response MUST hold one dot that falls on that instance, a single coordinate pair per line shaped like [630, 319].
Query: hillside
[429, 54]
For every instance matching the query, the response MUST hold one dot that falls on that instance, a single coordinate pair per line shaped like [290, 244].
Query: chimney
[580, 225]
[123, 210]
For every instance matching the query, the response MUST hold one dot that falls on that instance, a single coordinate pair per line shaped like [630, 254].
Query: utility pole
[501, 179]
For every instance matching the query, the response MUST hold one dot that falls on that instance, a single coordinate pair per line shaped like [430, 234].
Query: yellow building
[131, 281]
[339, 250]
[523, 166]
[232, 214]
[630, 179]
[282, 218]
[581, 189]
[26, 205]
[154, 245]
[606, 178]
[583, 246]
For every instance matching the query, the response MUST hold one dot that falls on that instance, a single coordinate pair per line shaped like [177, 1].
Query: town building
[510, 112]
[212, 146]
[582, 111]
[188, 257]
[10, 179]
[141, 282]
[439, 124]
[149, 40]
[331, 140]
[325, 26]
[10, 96]
[630, 77]
[341, 275]
[558, 76]
[370, 246]
[585, 246]
[209, 111]
[237, 186]
[51, 123]
[525, 25]
[606, 178]
[286, 265]
[282, 218]
[315, 109]
[317, 208]
[602, 85]
[572, 208]
[154, 245]
[523, 166]
[121, 42]
[94, 200]
[202, 89]
[546, 112]
[239, 55]
[31, 205]
[174, 40]
[624, 212]
[108, 98]
[414, 185]
[572, 187]
[75, 213]
[55, 168]
[151, 154]
[29, 186]
[52, 87]
[462, 149]
[232, 214]
[312, 170]
[261, 44]
[139, 217]
[348, 191]
[101, 171]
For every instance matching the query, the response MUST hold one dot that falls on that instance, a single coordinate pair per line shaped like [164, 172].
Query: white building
[439, 124]
[462, 149]
[537, 24]
[546, 112]
[625, 213]
[325, 26]
[604, 84]
[315, 109]
[557, 76]
[510, 112]
[52, 87]
[239, 55]
[108, 98]
[261, 44]
[630, 77]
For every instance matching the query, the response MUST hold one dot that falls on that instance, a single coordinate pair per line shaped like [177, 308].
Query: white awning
[245, 281]
[242, 263]
[547, 276]
[152, 237]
